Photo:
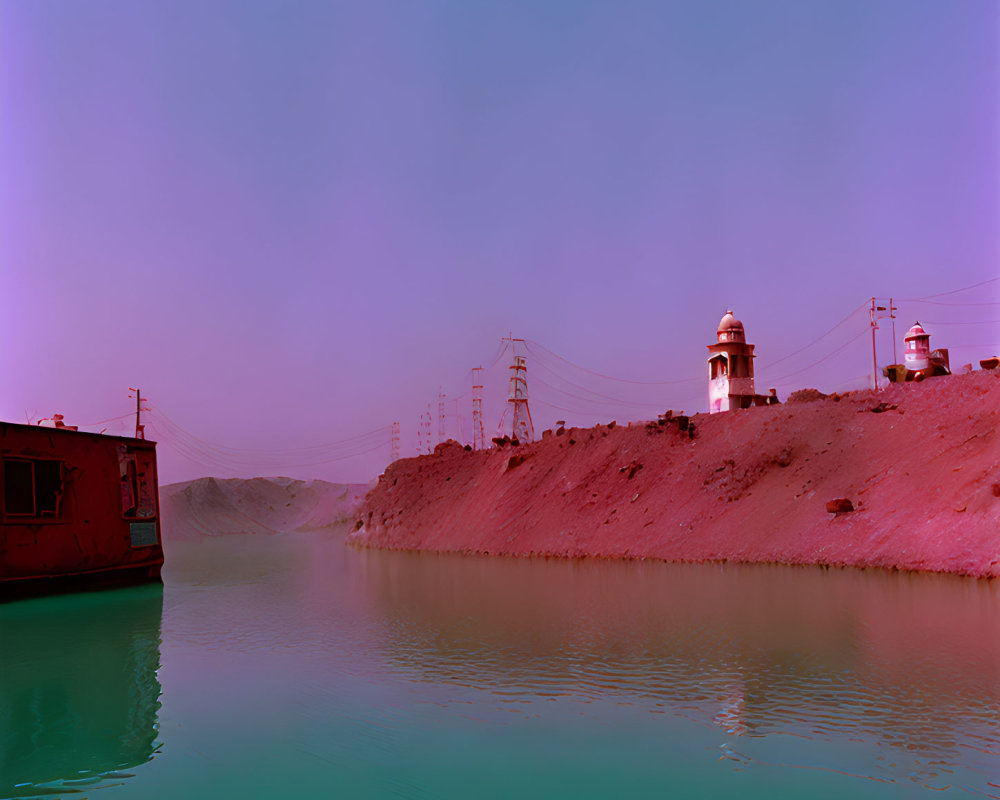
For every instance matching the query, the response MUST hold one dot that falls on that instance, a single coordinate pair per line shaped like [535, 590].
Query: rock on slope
[919, 462]
[216, 506]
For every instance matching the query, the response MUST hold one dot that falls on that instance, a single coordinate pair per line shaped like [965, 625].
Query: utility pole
[885, 310]
[874, 363]
[478, 434]
[394, 443]
[892, 316]
[140, 429]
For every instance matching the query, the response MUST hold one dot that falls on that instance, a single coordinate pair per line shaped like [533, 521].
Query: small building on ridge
[919, 361]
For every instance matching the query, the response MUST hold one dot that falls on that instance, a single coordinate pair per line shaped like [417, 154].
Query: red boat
[79, 510]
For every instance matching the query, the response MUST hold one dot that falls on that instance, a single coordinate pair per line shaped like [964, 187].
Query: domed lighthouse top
[731, 329]
[915, 332]
[917, 351]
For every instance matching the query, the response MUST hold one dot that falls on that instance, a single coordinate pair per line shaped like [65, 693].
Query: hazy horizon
[292, 226]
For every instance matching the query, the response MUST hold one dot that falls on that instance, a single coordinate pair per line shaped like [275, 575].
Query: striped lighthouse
[917, 352]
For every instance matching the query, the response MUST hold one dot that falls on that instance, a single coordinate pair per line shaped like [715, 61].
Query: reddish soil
[919, 462]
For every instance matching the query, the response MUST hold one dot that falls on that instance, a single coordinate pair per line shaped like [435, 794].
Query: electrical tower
[424, 445]
[394, 448]
[521, 427]
[478, 434]
[459, 422]
[440, 416]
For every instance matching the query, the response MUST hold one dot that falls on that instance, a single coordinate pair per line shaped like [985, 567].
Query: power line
[600, 400]
[202, 458]
[200, 450]
[103, 421]
[953, 291]
[816, 340]
[274, 451]
[965, 322]
[530, 344]
[956, 305]
[820, 360]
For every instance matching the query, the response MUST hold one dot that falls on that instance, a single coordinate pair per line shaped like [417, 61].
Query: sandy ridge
[920, 463]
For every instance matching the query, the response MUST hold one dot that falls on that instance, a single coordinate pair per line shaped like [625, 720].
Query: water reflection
[907, 664]
[79, 693]
[380, 674]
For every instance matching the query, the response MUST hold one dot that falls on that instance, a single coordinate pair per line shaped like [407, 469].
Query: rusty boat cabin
[79, 510]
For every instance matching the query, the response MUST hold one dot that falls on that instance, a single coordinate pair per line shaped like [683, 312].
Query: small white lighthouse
[730, 368]
[917, 353]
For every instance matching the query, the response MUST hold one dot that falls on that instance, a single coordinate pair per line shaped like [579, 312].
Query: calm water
[293, 666]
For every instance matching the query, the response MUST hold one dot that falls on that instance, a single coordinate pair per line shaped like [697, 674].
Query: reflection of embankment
[912, 661]
[79, 694]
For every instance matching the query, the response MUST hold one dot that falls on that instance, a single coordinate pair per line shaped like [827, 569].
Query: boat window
[137, 473]
[48, 488]
[32, 487]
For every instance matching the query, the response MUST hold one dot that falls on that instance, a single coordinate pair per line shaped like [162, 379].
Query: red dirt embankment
[920, 463]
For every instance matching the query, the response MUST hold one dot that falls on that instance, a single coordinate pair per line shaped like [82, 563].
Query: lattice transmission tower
[441, 399]
[521, 427]
[478, 433]
[424, 445]
[394, 448]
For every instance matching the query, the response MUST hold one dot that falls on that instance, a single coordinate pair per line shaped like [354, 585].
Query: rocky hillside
[217, 506]
[915, 468]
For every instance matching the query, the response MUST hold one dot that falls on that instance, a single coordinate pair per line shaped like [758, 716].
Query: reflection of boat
[79, 694]
[78, 509]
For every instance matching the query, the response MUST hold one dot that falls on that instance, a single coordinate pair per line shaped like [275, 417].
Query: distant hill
[221, 506]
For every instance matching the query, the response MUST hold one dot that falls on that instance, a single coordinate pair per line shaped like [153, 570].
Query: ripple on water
[332, 661]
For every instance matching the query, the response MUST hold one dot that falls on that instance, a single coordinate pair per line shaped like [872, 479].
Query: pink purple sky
[293, 224]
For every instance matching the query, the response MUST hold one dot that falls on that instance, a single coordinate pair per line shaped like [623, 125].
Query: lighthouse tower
[730, 368]
[917, 354]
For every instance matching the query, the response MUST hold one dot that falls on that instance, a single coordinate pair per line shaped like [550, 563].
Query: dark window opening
[32, 488]
[48, 487]
[138, 484]
[19, 488]
[128, 488]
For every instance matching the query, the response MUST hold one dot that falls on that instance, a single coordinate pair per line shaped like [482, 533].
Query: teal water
[297, 667]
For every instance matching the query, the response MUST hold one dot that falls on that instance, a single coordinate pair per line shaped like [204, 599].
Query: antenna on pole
[478, 434]
[140, 429]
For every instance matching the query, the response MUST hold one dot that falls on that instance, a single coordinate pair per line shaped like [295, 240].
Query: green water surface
[293, 666]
